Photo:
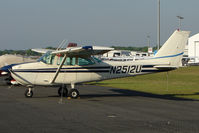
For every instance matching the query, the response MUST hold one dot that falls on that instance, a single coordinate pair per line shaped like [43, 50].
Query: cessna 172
[76, 65]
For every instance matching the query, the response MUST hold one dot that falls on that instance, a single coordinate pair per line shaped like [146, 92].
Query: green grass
[182, 83]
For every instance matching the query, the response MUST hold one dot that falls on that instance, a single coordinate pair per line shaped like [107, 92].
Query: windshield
[47, 58]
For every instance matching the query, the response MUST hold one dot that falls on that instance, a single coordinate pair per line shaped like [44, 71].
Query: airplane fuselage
[39, 73]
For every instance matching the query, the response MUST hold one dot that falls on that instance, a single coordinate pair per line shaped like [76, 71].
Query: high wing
[42, 51]
[83, 51]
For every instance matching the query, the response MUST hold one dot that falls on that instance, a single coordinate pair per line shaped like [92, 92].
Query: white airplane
[76, 65]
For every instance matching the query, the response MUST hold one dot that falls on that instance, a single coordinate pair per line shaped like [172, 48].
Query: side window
[59, 59]
[68, 61]
[84, 62]
[73, 61]
[49, 59]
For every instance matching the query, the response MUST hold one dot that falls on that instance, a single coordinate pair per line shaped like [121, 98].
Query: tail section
[173, 49]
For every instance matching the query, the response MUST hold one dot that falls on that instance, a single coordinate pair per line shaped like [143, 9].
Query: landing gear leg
[63, 91]
[28, 92]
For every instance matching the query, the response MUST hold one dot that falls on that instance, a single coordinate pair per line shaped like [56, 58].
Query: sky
[26, 24]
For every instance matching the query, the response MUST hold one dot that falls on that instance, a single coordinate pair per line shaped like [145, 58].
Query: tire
[65, 92]
[28, 94]
[74, 93]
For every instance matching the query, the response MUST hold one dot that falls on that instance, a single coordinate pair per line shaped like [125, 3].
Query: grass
[182, 83]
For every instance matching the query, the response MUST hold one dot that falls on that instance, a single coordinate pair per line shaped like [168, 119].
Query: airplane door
[70, 71]
[77, 71]
[67, 74]
[83, 73]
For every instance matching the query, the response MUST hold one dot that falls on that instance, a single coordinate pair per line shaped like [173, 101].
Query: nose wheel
[28, 93]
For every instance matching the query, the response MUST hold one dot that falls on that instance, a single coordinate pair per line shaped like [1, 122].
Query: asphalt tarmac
[98, 110]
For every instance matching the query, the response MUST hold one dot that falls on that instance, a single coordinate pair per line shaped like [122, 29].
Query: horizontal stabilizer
[166, 67]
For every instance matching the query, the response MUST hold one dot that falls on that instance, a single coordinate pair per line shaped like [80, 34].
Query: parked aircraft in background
[76, 65]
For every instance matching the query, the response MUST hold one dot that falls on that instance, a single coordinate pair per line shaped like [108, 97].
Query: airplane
[74, 65]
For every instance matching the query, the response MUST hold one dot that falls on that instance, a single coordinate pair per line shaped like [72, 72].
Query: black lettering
[129, 69]
[132, 69]
[124, 69]
[113, 69]
[138, 69]
[118, 69]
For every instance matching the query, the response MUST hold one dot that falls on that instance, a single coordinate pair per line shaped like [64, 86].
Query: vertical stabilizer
[173, 49]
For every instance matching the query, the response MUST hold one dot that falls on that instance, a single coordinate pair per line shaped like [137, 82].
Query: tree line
[28, 52]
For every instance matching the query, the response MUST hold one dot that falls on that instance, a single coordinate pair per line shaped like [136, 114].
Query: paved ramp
[100, 109]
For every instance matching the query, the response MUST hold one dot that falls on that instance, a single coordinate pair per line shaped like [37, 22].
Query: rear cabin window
[97, 59]
[84, 62]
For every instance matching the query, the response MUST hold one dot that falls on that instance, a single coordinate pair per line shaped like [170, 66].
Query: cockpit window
[47, 58]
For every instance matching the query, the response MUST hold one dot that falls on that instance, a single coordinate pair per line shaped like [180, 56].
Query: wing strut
[58, 69]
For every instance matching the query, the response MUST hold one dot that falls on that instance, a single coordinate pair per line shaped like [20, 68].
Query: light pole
[148, 40]
[180, 18]
[158, 26]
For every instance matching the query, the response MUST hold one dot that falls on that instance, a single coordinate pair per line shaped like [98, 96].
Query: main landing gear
[63, 91]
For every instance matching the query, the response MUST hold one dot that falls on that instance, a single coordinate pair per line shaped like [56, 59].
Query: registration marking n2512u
[125, 69]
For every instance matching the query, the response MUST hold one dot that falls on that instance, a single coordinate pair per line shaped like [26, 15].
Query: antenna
[180, 19]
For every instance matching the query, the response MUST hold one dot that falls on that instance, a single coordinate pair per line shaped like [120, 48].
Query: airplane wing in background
[42, 51]
[84, 51]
